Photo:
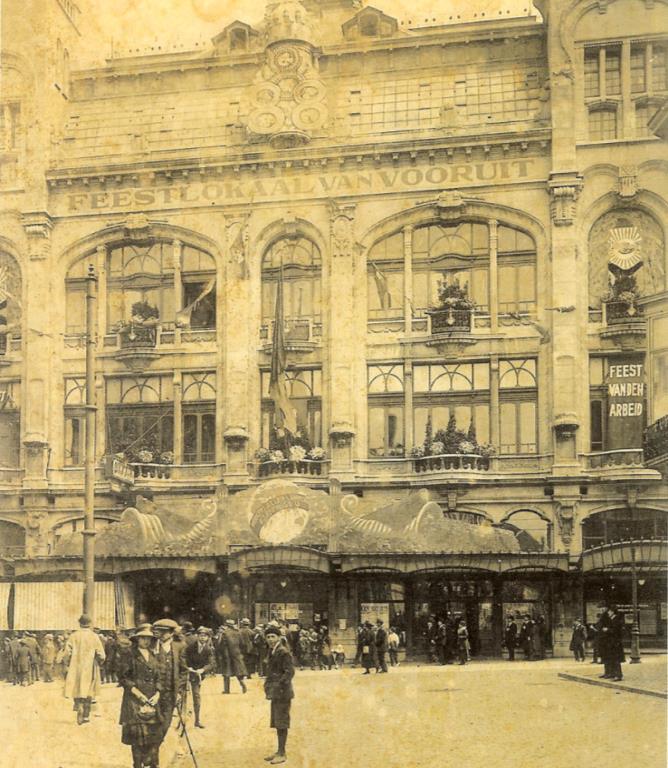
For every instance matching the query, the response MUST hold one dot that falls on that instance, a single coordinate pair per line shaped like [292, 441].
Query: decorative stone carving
[38, 226]
[451, 204]
[342, 434]
[625, 237]
[566, 425]
[137, 225]
[341, 226]
[235, 438]
[36, 533]
[566, 512]
[237, 234]
[564, 191]
[628, 181]
[288, 99]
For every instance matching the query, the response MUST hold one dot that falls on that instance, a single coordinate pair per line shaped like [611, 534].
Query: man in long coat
[248, 647]
[231, 656]
[278, 689]
[173, 670]
[611, 643]
[201, 661]
[381, 646]
[510, 638]
[86, 653]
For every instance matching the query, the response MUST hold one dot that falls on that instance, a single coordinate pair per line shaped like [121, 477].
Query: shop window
[305, 394]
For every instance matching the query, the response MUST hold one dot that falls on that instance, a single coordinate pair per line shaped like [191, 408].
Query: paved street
[487, 713]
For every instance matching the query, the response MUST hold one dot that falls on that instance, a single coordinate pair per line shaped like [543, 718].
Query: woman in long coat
[367, 647]
[139, 676]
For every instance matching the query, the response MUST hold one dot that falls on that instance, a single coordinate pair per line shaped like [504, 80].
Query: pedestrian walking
[139, 675]
[23, 662]
[578, 637]
[201, 661]
[261, 650]
[510, 638]
[48, 656]
[381, 646]
[393, 647]
[278, 689]
[85, 653]
[366, 647]
[248, 647]
[232, 657]
[173, 672]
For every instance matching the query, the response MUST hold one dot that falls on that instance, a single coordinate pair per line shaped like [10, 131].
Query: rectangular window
[75, 436]
[140, 431]
[659, 65]
[386, 430]
[591, 73]
[642, 120]
[199, 437]
[10, 445]
[613, 71]
[638, 80]
[517, 288]
[518, 427]
[203, 298]
[602, 124]
[75, 311]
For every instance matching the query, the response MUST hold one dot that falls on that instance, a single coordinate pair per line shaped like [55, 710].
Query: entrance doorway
[180, 595]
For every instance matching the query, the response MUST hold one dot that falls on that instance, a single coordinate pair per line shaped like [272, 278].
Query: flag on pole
[384, 295]
[183, 316]
[285, 416]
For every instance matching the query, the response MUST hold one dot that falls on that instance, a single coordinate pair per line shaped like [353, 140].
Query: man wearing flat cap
[200, 661]
[278, 689]
[173, 669]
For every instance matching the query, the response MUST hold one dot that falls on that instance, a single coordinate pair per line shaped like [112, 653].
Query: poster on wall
[625, 383]
[374, 611]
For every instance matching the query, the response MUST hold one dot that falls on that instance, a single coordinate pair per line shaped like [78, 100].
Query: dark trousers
[226, 683]
[394, 656]
[511, 653]
[47, 671]
[196, 685]
[145, 755]
[579, 652]
[381, 665]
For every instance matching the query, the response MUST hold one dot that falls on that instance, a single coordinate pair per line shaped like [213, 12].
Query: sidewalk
[649, 677]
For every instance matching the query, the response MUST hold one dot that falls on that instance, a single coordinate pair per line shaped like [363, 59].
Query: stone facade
[360, 162]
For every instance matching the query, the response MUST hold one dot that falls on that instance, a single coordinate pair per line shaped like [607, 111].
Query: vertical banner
[626, 396]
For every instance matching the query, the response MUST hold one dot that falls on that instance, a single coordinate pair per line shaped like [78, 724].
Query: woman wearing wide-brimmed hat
[139, 675]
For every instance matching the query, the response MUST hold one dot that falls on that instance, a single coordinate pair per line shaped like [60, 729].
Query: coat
[173, 671]
[246, 641]
[611, 641]
[510, 637]
[232, 661]
[86, 652]
[204, 660]
[136, 672]
[23, 659]
[280, 671]
[48, 652]
[381, 640]
[578, 637]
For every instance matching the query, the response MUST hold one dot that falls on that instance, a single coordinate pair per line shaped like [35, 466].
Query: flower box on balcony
[159, 471]
[287, 467]
[448, 320]
[451, 462]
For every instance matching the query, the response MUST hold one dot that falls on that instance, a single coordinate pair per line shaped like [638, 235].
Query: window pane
[596, 424]
[592, 86]
[527, 427]
[74, 435]
[420, 416]
[190, 438]
[377, 431]
[481, 376]
[602, 124]
[481, 413]
[526, 284]
[642, 120]
[659, 63]
[508, 437]
[421, 297]
[507, 292]
[479, 292]
[203, 314]
[463, 417]
[395, 429]
[612, 71]
[595, 371]
[75, 312]
[208, 437]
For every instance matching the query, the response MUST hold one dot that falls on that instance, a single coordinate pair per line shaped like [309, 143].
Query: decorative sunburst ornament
[624, 248]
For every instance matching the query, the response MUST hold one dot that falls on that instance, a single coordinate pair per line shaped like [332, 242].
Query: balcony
[449, 462]
[10, 551]
[450, 326]
[627, 462]
[175, 475]
[307, 469]
[656, 441]
[302, 334]
[624, 323]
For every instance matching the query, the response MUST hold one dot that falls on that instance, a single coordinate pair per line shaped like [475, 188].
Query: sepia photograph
[333, 343]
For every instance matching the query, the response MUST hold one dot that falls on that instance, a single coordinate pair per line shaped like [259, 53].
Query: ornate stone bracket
[137, 226]
[566, 514]
[566, 425]
[564, 189]
[341, 227]
[38, 226]
[341, 434]
[628, 181]
[235, 438]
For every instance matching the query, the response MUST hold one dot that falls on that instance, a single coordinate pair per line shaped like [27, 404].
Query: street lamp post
[631, 499]
[89, 464]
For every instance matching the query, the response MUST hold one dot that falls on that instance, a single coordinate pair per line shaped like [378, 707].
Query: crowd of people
[531, 637]
[606, 638]
[446, 639]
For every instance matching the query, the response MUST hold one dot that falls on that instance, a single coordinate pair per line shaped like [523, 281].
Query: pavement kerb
[615, 686]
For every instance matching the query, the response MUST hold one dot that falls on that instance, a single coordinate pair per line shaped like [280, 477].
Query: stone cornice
[507, 145]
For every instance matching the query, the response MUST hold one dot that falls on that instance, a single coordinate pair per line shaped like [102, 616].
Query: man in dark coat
[173, 671]
[366, 647]
[200, 660]
[260, 649]
[278, 689]
[231, 656]
[611, 643]
[381, 647]
[248, 647]
[510, 638]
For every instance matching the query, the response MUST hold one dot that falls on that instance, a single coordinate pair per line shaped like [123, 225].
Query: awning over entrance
[489, 563]
[649, 555]
[257, 558]
[110, 566]
[57, 605]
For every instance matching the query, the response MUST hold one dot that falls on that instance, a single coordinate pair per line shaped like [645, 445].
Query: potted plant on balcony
[451, 448]
[140, 330]
[454, 309]
[621, 299]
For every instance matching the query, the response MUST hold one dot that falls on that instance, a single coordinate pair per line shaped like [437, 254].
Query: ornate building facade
[466, 226]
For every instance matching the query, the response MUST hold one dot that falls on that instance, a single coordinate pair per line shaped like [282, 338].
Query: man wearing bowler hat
[200, 661]
[278, 689]
[173, 669]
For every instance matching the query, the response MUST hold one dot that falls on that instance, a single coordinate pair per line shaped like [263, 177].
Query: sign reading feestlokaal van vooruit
[626, 404]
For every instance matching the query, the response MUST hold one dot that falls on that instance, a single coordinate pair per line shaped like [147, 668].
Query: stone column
[178, 418]
[409, 437]
[408, 279]
[341, 329]
[494, 407]
[493, 277]
[101, 269]
[177, 252]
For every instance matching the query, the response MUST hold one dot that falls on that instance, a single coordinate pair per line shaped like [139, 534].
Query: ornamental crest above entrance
[288, 99]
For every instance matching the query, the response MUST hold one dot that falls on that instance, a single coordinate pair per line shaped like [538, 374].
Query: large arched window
[172, 281]
[486, 258]
[10, 300]
[620, 525]
[533, 533]
[297, 263]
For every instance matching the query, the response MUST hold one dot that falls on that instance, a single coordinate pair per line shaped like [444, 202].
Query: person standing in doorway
[278, 689]
[510, 638]
[85, 652]
[200, 660]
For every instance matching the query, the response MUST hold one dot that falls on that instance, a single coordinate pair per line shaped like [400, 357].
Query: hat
[186, 625]
[272, 630]
[231, 623]
[85, 620]
[168, 624]
[246, 621]
[142, 633]
[48, 637]
[203, 630]
[367, 623]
